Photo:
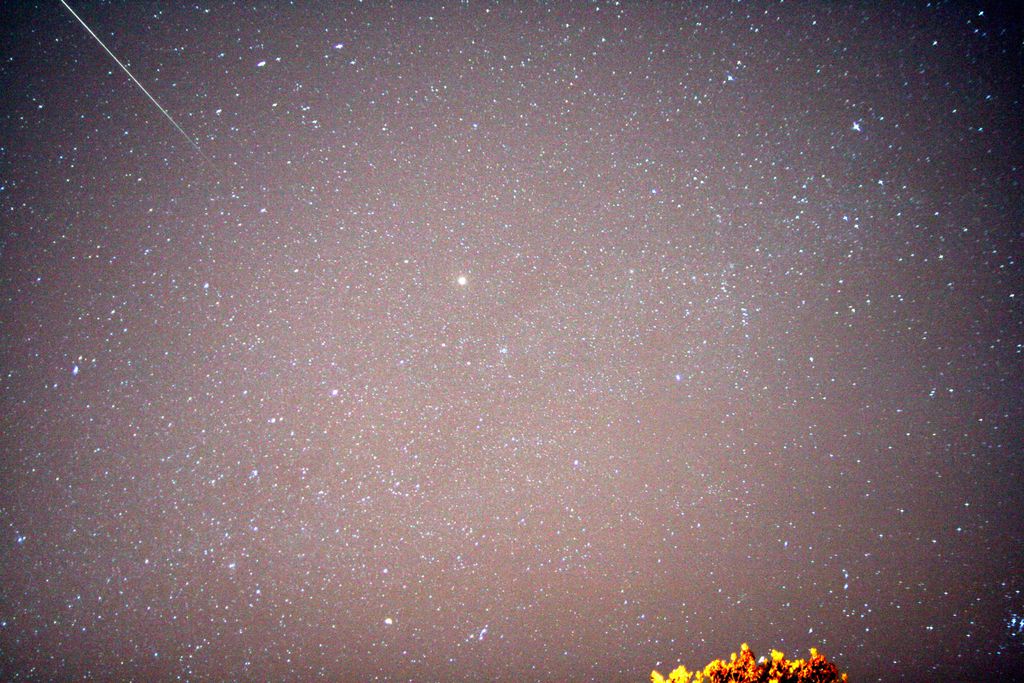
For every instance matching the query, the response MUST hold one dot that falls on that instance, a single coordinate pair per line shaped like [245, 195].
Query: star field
[510, 341]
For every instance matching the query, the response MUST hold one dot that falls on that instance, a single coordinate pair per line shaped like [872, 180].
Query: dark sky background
[510, 341]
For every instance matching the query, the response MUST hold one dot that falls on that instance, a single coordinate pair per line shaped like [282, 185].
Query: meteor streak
[136, 81]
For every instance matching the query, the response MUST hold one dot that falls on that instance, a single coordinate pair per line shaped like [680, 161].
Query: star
[714, 339]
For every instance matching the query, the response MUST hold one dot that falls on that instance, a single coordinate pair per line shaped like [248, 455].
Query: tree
[744, 668]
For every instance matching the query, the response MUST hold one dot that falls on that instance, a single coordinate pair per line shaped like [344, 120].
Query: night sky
[510, 341]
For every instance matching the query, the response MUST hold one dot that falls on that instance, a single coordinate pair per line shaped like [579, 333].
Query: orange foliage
[745, 669]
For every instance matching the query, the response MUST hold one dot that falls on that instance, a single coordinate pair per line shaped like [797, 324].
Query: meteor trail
[136, 81]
